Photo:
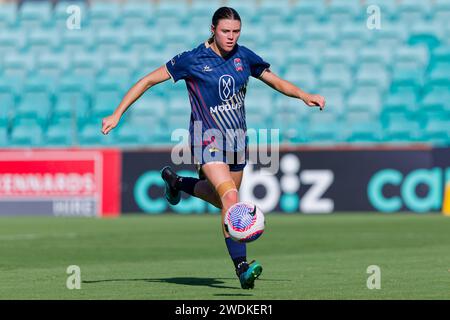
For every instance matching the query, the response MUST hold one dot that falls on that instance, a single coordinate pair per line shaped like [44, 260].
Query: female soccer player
[216, 74]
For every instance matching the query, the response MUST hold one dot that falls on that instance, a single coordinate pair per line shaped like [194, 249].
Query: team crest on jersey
[238, 64]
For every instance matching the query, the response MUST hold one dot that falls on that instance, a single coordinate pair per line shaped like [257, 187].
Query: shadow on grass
[232, 295]
[187, 281]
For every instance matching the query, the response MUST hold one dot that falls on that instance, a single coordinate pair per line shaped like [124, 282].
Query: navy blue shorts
[236, 160]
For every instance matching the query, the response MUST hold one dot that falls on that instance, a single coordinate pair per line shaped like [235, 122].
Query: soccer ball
[244, 222]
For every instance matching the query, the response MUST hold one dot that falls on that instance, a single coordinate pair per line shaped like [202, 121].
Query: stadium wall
[60, 182]
[107, 182]
[309, 181]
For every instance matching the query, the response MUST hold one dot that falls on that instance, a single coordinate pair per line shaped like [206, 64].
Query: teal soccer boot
[248, 273]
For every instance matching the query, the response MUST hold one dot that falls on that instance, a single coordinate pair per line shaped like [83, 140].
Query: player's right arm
[157, 76]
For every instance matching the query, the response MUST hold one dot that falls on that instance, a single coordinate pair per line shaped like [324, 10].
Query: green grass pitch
[185, 257]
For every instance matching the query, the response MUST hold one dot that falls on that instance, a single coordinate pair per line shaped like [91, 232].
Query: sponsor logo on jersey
[238, 64]
[226, 87]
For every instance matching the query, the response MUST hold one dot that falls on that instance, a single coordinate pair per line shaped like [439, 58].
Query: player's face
[227, 33]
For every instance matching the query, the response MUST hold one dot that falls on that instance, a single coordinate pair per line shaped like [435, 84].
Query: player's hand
[314, 100]
[109, 123]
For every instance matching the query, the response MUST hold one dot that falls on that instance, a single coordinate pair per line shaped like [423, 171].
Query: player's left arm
[290, 90]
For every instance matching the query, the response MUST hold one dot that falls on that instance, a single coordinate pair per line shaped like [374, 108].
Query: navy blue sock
[237, 251]
[187, 184]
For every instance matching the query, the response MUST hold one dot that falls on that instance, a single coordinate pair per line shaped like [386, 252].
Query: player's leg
[247, 272]
[226, 184]
[197, 187]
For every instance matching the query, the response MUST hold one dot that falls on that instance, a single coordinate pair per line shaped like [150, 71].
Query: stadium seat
[8, 15]
[402, 101]
[87, 65]
[149, 105]
[282, 37]
[35, 105]
[353, 36]
[365, 98]
[104, 103]
[440, 54]
[411, 11]
[301, 56]
[427, 33]
[344, 10]
[7, 102]
[246, 9]
[26, 135]
[71, 104]
[335, 100]
[120, 65]
[336, 74]
[261, 105]
[391, 35]
[373, 74]
[402, 131]
[439, 70]
[305, 13]
[411, 58]
[77, 41]
[317, 37]
[437, 131]
[363, 132]
[271, 13]
[35, 14]
[136, 15]
[12, 41]
[436, 99]
[323, 128]
[109, 40]
[339, 55]
[441, 12]
[289, 120]
[127, 135]
[170, 14]
[375, 55]
[43, 41]
[413, 78]
[103, 14]
[302, 75]
[4, 139]
[59, 135]
[203, 10]
[177, 40]
[90, 135]
[52, 65]
[144, 40]
[252, 39]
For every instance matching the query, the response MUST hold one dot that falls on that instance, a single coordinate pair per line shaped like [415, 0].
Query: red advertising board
[60, 182]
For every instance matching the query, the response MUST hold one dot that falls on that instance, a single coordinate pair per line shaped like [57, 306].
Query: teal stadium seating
[382, 86]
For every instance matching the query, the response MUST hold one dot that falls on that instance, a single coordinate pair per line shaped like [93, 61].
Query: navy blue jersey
[217, 88]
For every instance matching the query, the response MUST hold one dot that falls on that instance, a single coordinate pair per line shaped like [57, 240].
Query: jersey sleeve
[179, 66]
[257, 64]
